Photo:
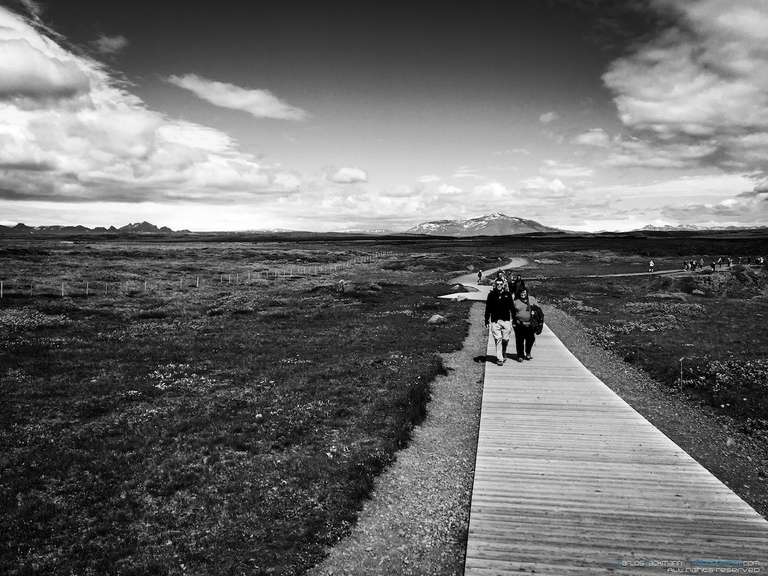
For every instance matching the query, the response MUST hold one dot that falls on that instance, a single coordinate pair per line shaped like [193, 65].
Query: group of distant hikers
[509, 308]
[721, 262]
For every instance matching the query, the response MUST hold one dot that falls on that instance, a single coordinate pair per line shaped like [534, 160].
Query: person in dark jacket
[498, 312]
[524, 332]
[517, 285]
[500, 276]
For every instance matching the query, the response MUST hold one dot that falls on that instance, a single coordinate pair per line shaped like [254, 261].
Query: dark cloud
[27, 166]
[32, 8]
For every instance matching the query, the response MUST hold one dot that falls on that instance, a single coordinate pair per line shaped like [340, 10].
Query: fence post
[86, 288]
[1, 288]
[62, 289]
[197, 282]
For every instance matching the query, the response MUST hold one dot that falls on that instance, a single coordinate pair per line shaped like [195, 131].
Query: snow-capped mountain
[496, 224]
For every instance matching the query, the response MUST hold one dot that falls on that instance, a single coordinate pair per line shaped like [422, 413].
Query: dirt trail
[619, 275]
[471, 278]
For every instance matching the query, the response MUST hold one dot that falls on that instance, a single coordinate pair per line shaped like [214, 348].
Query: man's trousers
[501, 331]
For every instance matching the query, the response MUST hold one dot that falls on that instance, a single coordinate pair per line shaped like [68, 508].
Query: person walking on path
[524, 332]
[651, 266]
[500, 277]
[517, 285]
[498, 313]
[479, 276]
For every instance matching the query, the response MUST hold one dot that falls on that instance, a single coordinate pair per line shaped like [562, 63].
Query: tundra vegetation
[703, 333]
[219, 427]
[204, 405]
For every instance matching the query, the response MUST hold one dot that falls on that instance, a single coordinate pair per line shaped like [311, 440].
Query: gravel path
[416, 521]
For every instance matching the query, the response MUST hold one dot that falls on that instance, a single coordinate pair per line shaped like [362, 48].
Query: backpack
[537, 319]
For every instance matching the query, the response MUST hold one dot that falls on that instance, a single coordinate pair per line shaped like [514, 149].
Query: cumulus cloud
[258, 103]
[349, 175]
[548, 117]
[467, 172]
[700, 83]
[33, 67]
[662, 154]
[494, 190]
[565, 169]
[287, 181]
[399, 207]
[110, 44]
[554, 186]
[68, 132]
[593, 137]
[427, 178]
[449, 190]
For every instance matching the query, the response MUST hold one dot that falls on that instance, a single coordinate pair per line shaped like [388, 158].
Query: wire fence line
[90, 286]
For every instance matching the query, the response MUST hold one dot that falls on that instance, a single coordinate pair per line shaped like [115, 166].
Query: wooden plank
[569, 479]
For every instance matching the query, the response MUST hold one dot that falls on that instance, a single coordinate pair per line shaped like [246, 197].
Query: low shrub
[739, 386]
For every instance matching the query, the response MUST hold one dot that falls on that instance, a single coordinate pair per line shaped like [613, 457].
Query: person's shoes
[499, 362]
[518, 358]
[528, 357]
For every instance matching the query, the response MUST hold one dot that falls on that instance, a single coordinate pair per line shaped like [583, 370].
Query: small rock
[698, 292]
[437, 319]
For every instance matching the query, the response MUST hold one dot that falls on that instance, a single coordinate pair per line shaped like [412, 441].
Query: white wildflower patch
[29, 318]
[180, 378]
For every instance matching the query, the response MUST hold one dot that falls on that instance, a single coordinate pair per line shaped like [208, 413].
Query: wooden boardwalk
[569, 479]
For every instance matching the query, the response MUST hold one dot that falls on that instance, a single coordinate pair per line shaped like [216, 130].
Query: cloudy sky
[339, 115]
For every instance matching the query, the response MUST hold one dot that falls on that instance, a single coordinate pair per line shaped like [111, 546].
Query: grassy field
[186, 408]
[227, 429]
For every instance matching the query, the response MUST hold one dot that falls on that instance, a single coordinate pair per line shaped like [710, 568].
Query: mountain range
[134, 228]
[495, 224]
[691, 228]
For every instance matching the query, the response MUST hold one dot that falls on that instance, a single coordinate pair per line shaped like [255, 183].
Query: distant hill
[691, 228]
[137, 228]
[496, 224]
